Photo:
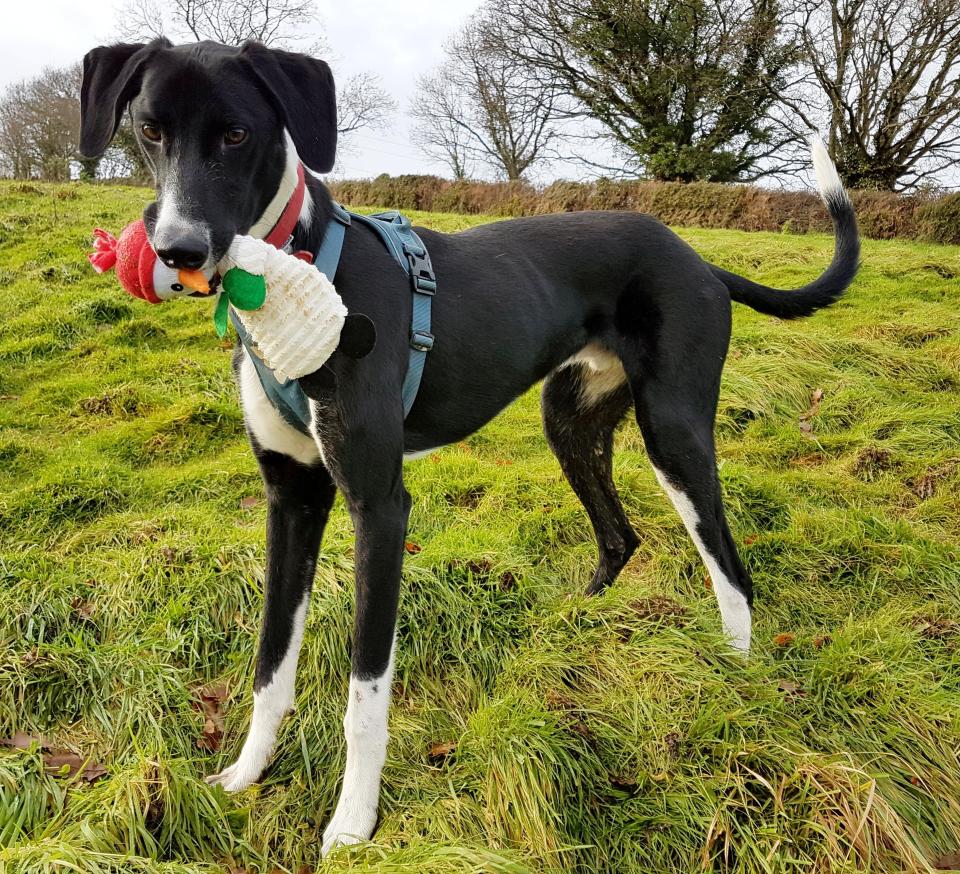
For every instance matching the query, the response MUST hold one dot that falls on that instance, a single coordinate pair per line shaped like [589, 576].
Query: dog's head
[218, 126]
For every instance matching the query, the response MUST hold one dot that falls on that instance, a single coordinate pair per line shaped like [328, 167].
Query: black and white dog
[610, 309]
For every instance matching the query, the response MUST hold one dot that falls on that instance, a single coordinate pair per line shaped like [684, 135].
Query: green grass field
[532, 729]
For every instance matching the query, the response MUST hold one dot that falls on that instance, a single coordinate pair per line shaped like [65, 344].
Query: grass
[617, 734]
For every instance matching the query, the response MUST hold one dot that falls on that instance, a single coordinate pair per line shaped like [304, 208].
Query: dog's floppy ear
[111, 78]
[301, 88]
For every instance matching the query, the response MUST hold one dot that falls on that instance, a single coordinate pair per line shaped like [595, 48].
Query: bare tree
[289, 24]
[362, 102]
[481, 106]
[16, 158]
[683, 86]
[39, 120]
[440, 129]
[885, 84]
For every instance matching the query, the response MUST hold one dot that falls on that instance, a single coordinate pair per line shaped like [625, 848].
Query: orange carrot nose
[195, 280]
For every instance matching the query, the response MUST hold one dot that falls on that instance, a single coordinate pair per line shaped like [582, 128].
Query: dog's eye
[151, 132]
[235, 136]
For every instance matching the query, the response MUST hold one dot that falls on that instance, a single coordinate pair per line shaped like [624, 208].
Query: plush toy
[290, 309]
[139, 269]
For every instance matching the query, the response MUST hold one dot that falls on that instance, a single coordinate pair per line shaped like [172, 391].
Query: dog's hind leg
[675, 378]
[582, 403]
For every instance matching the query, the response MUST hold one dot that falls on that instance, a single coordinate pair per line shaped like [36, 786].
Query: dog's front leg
[299, 499]
[379, 506]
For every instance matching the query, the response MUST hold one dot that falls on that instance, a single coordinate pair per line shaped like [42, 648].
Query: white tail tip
[828, 180]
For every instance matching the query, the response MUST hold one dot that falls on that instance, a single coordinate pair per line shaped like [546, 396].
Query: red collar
[283, 229]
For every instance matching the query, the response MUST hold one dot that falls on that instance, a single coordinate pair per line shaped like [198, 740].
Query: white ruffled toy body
[298, 327]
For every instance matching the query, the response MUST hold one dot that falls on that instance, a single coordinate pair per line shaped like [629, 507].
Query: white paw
[351, 824]
[234, 778]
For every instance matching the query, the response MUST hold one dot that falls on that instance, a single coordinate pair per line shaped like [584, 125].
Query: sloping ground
[533, 729]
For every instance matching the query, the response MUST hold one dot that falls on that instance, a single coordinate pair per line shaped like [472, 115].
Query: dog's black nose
[184, 253]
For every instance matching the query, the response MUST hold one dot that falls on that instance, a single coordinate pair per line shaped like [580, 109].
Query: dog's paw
[351, 824]
[234, 778]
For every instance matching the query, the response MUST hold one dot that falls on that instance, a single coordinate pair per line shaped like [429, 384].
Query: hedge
[882, 215]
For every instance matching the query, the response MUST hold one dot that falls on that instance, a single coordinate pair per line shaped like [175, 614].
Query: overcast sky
[396, 40]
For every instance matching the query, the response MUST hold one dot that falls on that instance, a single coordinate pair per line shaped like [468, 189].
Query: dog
[609, 309]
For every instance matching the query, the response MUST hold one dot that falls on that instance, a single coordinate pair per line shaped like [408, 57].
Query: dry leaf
[439, 751]
[94, 771]
[791, 688]
[22, 741]
[947, 862]
[81, 607]
[805, 427]
[211, 737]
[249, 502]
[210, 703]
[412, 548]
[822, 640]
[64, 764]
[784, 639]
[814, 407]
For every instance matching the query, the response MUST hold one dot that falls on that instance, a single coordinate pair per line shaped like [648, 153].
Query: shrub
[939, 220]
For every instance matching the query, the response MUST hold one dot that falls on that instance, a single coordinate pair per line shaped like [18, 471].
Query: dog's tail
[832, 283]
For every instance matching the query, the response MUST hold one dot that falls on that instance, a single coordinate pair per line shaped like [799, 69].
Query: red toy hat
[132, 255]
[137, 267]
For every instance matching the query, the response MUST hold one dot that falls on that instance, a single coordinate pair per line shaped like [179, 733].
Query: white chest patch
[266, 424]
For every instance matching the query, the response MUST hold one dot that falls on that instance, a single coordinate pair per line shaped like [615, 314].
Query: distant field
[532, 729]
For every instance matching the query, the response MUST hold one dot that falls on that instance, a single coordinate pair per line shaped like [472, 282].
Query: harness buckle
[422, 276]
[422, 341]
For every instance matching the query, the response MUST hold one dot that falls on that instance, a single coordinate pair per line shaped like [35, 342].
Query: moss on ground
[533, 729]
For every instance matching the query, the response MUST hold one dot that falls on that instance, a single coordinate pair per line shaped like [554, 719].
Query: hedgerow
[882, 215]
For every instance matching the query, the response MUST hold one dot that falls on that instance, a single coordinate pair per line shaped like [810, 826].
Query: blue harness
[409, 252]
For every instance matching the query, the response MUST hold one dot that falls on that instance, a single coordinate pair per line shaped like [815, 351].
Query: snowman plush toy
[290, 310]
[139, 269]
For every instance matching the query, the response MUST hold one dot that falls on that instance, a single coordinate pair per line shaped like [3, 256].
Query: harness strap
[286, 397]
[409, 252]
[327, 258]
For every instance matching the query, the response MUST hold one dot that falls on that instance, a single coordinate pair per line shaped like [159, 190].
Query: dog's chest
[266, 425]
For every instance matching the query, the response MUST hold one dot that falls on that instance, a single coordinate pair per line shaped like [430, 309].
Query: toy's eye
[235, 136]
[151, 132]
[177, 286]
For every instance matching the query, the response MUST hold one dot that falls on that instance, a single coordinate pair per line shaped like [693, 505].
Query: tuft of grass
[533, 729]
